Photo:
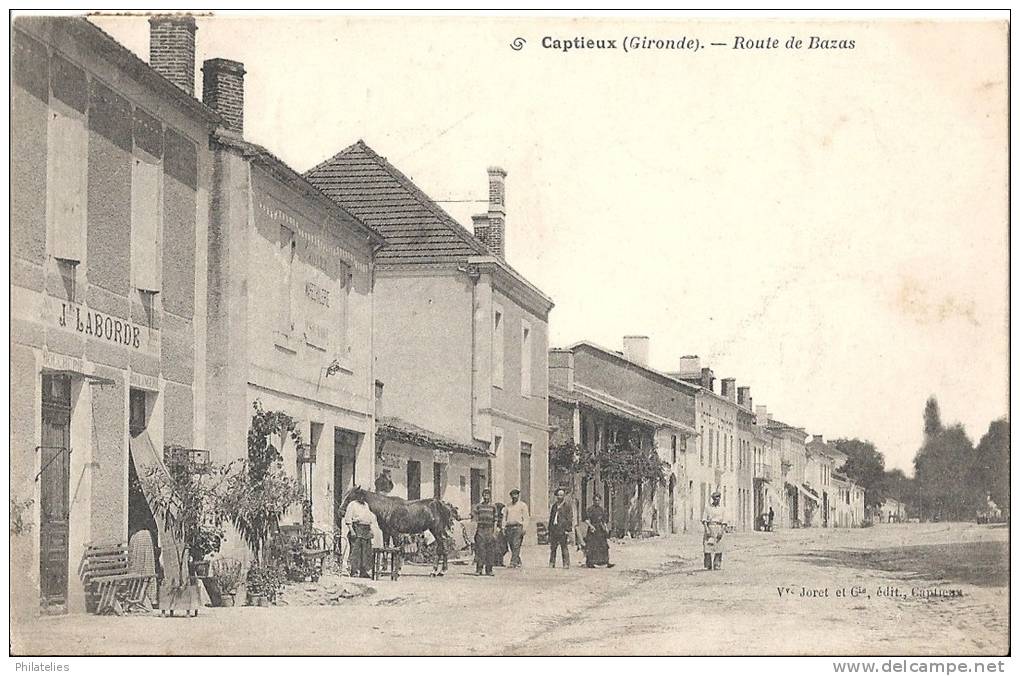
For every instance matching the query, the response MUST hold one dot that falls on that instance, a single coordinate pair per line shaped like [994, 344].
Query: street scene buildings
[172, 281]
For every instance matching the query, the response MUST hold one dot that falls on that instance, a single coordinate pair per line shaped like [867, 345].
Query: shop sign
[98, 325]
[391, 462]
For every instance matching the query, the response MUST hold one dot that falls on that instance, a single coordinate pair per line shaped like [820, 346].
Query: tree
[259, 494]
[865, 466]
[990, 473]
[932, 419]
[943, 469]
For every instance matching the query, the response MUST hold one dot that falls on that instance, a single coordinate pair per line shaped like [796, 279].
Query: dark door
[526, 473]
[672, 504]
[54, 481]
[413, 480]
[438, 481]
[477, 483]
[345, 450]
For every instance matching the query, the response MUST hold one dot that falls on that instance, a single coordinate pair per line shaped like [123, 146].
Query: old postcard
[509, 335]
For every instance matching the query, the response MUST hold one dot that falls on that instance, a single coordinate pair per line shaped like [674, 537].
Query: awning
[811, 495]
[172, 558]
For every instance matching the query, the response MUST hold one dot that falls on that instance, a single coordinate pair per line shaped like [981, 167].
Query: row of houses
[710, 440]
[167, 273]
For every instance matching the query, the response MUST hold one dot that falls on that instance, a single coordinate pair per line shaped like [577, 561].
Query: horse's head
[356, 493]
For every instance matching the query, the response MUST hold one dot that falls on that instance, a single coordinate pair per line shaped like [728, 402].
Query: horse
[399, 516]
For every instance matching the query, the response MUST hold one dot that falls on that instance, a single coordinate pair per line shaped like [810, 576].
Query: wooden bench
[110, 587]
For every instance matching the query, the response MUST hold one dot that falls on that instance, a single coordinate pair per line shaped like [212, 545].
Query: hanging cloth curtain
[171, 555]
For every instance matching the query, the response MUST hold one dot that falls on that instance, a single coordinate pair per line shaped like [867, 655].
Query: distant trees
[990, 470]
[865, 466]
[953, 479]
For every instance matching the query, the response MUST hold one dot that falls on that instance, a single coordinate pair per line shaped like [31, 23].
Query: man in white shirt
[515, 523]
[359, 518]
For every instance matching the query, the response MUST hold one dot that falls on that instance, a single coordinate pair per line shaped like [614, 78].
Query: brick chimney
[223, 91]
[635, 348]
[708, 379]
[172, 48]
[728, 388]
[744, 398]
[818, 439]
[490, 227]
[561, 369]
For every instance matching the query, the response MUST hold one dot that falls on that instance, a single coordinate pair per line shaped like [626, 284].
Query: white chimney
[635, 348]
[690, 365]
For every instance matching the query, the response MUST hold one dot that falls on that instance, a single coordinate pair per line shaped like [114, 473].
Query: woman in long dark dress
[596, 543]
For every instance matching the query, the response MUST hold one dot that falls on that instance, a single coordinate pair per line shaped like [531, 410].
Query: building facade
[110, 171]
[823, 461]
[608, 387]
[461, 337]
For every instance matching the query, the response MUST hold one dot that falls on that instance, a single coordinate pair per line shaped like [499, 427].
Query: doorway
[345, 457]
[672, 504]
[413, 480]
[54, 491]
[477, 483]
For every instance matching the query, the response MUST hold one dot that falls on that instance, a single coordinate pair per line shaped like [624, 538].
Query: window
[345, 281]
[711, 446]
[525, 358]
[146, 223]
[497, 347]
[497, 441]
[673, 448]
[67, 172]
[701, 446]
[286, 252]
[69, 276]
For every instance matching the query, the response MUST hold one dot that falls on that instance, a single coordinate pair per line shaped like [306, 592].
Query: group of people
[499, 528]
[492, 520]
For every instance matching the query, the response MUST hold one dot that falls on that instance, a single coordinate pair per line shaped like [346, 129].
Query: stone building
[461, 337]
[823, 461]
[110, 168]
[597, 395]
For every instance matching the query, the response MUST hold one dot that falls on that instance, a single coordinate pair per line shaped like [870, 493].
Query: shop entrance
[54, 484]
[345, 460]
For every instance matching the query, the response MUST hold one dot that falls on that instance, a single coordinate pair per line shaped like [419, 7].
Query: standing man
[359, 520]
[484, 516]
[772, 517]
[561, 523]
[516, 524]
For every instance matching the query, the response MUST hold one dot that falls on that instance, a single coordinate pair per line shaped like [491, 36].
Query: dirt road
[914, 589]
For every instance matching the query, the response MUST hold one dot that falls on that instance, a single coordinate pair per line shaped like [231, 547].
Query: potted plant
[263, 583]
[227, 575]
[186, 497]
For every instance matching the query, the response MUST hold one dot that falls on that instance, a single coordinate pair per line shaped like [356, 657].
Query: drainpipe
[474, 274]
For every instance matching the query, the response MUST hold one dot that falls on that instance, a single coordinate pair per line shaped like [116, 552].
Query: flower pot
[256, 600]
[226, 600]
[264, 602]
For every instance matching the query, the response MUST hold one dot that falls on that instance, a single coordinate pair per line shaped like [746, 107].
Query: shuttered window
[67, 176]
[146, 224]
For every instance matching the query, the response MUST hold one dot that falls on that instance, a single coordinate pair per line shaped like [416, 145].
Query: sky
[829, 227]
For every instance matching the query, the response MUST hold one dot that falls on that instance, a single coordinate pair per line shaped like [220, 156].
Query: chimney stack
[728, 387]
[690, 366]
[635, 348]
[761, 415]
[490, 227]
[223, 91]
[817, 438]
[172, 49]
[744, 397]
[561, 369]
[708, 379]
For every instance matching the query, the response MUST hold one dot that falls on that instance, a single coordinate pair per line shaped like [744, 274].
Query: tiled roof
[398, 429]
[416, 228]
